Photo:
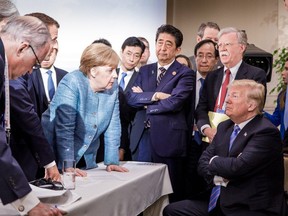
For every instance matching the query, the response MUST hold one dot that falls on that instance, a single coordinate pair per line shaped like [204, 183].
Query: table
[128, 194]
[144, 188]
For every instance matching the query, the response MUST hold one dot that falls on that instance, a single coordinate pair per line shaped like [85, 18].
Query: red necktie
[223, 91]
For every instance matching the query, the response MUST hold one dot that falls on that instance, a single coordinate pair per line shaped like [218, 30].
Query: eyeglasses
[134, 55]
[48, 184]
[220, 45]
[208, 57]
[37, 65]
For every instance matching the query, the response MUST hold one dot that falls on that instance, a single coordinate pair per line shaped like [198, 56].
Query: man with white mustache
[232, 44]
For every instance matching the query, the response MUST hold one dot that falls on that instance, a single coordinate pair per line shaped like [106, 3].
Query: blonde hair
[98, 55]
[254, 91]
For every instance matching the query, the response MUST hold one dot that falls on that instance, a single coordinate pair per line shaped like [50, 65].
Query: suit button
[95, 126]
[21, 208]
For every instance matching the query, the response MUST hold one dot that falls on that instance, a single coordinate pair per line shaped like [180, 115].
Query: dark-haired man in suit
[244, 162]
[161, 92]
[40, 86]
[131, 52]
[231, 46]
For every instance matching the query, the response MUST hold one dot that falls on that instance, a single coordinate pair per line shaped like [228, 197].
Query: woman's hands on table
[117, 168]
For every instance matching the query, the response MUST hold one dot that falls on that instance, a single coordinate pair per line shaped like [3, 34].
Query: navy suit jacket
[168, 117]
[37, 91]
[28, 143]
[127, 113]
[13, 183]
[254, 166]
[212, 86]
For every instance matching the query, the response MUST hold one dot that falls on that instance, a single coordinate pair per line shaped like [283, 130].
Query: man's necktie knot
[160, 76]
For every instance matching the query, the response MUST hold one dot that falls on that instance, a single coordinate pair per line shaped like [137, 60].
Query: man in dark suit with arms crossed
[244, 162]
[161, 92]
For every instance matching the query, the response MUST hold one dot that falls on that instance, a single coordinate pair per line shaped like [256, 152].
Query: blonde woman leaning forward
[86, 105]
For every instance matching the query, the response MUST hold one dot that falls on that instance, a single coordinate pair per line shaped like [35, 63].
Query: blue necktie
[197, 135]
[216, 189]
[160, 76]
[51, 88]
[286, 111]
[234, 135]
[122, 81]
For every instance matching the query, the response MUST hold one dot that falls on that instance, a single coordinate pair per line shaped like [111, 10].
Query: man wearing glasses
[28, 143]
[231, 46]
[206, 57]
[16, 60]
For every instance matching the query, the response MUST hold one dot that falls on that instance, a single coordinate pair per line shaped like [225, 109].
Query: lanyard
[7, 102]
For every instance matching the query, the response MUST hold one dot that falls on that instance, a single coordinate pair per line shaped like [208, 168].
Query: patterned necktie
[51, 88]
[122, 81]
[223, 91]
[286, 111]
[197, 135]
[217, 189]
[160, 76]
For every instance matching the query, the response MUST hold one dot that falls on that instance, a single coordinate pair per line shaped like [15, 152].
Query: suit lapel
[218, 82]
[242, 71]
[170, 73]
[152, 77]
[58, 76]
[131, 81]
[39, 82]
[239, 142]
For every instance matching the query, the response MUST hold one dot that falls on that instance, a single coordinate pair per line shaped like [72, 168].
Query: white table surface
[128, 194]
[144, 188]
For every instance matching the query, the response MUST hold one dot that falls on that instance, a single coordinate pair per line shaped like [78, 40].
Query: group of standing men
[166, 126]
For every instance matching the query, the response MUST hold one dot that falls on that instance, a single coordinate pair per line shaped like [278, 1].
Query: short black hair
[133, 41]
[103, 41]
[207, 41]
[169, 29]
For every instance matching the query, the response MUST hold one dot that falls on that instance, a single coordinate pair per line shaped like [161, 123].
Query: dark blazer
[254, 166]
[127, 113]
[285, 140]
[28, 143]
[212, 86]
[37, 91]
[168, 118]
[13, 183]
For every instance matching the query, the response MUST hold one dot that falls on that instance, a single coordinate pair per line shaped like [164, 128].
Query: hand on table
[53, 173]
[81, 173]
[45, 210]
[117, 168]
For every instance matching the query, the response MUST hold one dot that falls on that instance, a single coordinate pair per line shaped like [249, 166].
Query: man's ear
[198, 38]
[22, 48]
[252, 106]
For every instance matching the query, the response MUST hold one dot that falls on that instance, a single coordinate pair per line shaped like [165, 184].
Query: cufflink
[21, 208]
